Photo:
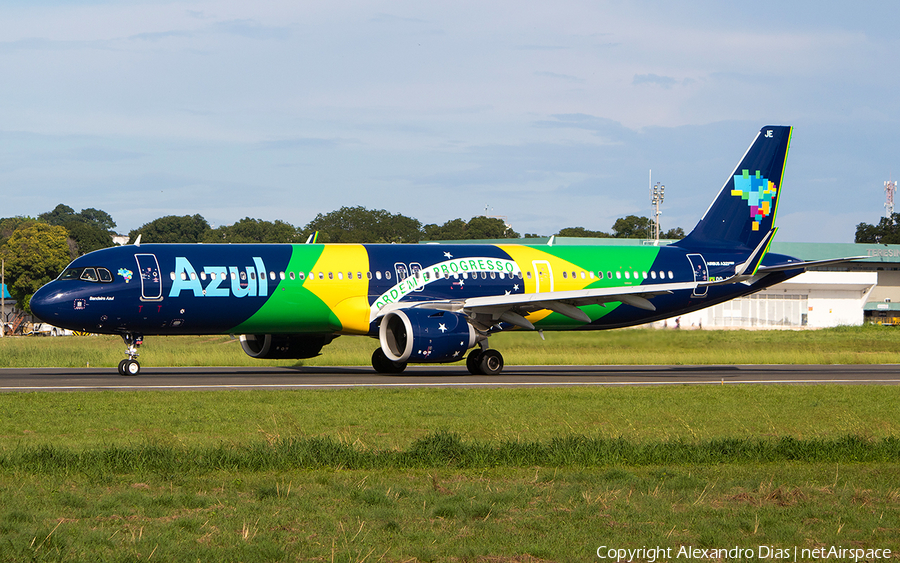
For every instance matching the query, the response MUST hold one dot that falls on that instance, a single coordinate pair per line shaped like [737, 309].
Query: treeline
[36, 250]
[886, 231]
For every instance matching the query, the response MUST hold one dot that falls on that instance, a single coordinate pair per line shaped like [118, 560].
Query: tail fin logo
[758, 192]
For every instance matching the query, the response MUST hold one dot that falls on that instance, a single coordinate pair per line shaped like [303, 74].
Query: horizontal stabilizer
[806, 265]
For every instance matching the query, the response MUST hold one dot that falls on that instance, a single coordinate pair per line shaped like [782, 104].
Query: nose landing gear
[130, 366]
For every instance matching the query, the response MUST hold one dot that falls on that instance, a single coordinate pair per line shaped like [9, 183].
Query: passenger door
[151, 281]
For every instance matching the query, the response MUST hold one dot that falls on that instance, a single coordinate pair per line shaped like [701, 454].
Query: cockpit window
[96, 275]
[89, 274]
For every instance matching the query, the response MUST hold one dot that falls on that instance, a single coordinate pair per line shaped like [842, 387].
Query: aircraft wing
[512, 308]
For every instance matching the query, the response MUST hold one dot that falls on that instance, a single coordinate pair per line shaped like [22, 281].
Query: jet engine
[425, 336]
[284, 346]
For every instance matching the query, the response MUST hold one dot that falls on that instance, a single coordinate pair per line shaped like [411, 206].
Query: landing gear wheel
[491, 362]
[473, 362]
[382, 364]
[129, 367]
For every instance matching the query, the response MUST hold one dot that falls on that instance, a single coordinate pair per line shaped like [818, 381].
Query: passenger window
[618, 275]
[564, 275]
[271, 275]
[292, 275]
[330, 275]
[341, 276]
[671, 275]
[378, 274]
[321, 275]
[359, 275]
[387, 275]
[653, 274]
[281, 275]
[627, 275]
[252, 276]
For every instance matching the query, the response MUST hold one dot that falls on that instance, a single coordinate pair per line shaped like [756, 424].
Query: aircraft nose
[45, 303]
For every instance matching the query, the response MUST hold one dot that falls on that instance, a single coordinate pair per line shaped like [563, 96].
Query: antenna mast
[890, 188]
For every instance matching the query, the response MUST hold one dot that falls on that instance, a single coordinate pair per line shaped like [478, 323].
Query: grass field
[869, 344]
[491, 475]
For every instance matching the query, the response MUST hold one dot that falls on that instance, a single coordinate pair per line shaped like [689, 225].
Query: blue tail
[744, 211]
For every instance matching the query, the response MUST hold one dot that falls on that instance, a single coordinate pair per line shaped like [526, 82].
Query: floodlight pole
[657, 194]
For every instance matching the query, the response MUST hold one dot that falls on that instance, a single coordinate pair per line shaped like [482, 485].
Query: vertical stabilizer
[744, 211]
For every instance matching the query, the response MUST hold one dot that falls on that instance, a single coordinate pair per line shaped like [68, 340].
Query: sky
[549, 114]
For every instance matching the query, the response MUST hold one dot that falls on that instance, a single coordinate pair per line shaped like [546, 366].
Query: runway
[211, 378]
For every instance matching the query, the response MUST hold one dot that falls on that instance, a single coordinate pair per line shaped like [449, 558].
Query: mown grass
[868, 344]
[489, 475]
[441, 450]
[392, 419]
[440, 514]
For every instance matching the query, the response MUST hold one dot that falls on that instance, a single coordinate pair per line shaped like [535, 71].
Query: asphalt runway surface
[209, 378]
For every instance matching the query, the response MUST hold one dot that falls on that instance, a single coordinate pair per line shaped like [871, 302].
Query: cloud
[251, 29]
[654, 79]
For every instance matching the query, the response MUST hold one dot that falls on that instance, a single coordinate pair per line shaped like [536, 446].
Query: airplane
[427, 303]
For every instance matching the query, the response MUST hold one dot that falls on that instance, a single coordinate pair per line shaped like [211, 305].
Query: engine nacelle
[284, 346]
[425, 336]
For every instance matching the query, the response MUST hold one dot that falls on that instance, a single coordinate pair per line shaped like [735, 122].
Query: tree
[35, 254]
[87, 237]
[173, 228]
[632, 226]
[98, 217]
[454, 229]
[673, 234]
[58, 216]
[887, 231]
[582, 232]
[90, 229]
[488, 228]
[255, 230]
[9, 225]
[480, 227]
[358, 224]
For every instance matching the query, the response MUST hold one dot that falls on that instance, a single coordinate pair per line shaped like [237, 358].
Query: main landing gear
[484, 361]
[382, 364]
[130, 366]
